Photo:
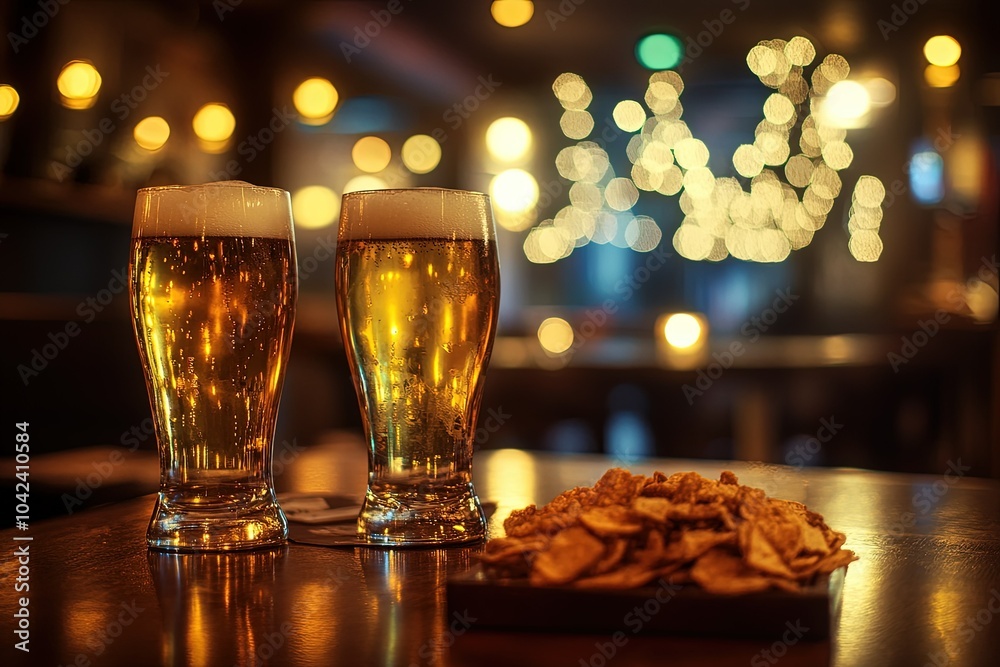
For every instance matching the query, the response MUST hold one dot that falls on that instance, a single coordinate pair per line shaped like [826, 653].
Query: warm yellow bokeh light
[569, 89]
[629, 115]
[508, 139]
[576, 123]
[868, 191]
[9, 99]
[865, 245]
[845, 103]
[682, 330]
[421, 154]
[941, 77]
[364, 182]
[78, 84]
[315, 206]
[514, 190]
[151, 133]
[942, 50]
[800, 51]
[693, 242]
[512, 13]
[621, 194]
[371, 154]
[555, 335]
[748, 160]
[315, 100]
[881, 91]
[691, 153]
[214, 123]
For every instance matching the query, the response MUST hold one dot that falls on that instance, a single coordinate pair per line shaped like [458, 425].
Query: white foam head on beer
[224, 208]
[417, 213]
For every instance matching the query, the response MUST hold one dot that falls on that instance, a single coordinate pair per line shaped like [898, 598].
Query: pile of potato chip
[628, 530]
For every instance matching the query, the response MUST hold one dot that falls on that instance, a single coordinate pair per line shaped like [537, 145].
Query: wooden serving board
[658, 608]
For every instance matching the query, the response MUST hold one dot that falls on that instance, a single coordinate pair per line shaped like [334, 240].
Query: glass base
[176, 527]
[413, 515]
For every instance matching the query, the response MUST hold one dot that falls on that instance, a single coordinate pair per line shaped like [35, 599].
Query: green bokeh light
[659, 51]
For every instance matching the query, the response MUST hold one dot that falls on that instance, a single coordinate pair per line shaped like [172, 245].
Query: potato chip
[652, 508]
[611, 520]
[723, 572]
[571, 553]
[760, 553]
[690, 544]
[613, 555]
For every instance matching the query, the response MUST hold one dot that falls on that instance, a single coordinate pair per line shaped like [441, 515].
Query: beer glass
[417, 286]
[213, 285]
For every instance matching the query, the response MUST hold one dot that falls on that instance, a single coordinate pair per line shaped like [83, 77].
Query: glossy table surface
[924, 592]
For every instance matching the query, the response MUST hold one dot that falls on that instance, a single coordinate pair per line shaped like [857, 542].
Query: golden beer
[418, 316]
[213, 315]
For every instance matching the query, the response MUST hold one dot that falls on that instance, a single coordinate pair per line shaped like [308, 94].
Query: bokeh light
[514, 190]
[659, 51]
[834, 68]
[837, 155]
[315, 99]
[869, 191]
[865, 245]
[778, 109]
[555, 335]
[151, 133]
[798, 170]
[78, 83]
[926, 172]
[621, 194]
[642, 234]
[214, 123]
[547, 243]
[512, 13]
[881, 91]
[315, 206]
[748, 160]
[371, 154]
[800, 51]
[941, 77]
[692, 242]
[572, 91]
[508, 139]
[942, 50]
[682, 330]
[421, 154]
[629, 115]
[9, 99]
[691, 153]
[576, 123]
[845, 103]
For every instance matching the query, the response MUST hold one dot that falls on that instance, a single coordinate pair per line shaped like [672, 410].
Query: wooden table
[925, 592]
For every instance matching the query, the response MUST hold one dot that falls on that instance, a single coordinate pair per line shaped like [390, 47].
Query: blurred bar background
[731, 229]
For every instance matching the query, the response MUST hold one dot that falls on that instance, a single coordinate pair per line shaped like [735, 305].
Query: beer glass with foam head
[417, 286]
[213, 286]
